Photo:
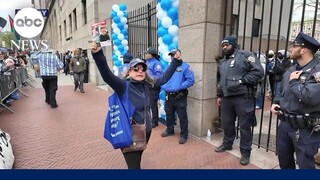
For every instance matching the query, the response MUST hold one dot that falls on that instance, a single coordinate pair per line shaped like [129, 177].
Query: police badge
[317, 76]
[251, 59]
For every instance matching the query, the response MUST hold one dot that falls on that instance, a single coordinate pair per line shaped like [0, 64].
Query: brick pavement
[71, 137]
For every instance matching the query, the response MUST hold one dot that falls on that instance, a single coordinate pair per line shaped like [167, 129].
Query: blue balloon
[167, 39]
[126, 37]
[120, 48]
[124, 32]
[176, 22]
[125, 14]
[162, 31]
[173, 13]
[117, 63]
[164, 64]
[114, 57]
[165, 4]
[162, 95]
[113, 14]
[117, 42]
[114, 36]
[123, 7]
[173, 46]
[120, 26]
[116, 20]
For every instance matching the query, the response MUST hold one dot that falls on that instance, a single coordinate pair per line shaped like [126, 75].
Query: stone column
[201, 31]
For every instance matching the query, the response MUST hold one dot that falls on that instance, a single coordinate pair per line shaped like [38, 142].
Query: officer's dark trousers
[180, 105]
[243, 108]
[50, 86]
[133, 159]
[306, 147]
[154, 97]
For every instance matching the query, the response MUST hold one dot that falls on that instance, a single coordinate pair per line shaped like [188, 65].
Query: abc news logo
[28, 22]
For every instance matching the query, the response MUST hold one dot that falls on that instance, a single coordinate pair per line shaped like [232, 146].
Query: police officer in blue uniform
[154, 71]
[176, 98]
[238, 72]
[298, 107]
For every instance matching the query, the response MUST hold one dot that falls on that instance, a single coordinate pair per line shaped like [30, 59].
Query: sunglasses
[137, 69]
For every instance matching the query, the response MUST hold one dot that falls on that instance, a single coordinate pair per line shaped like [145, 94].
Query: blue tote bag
[117, 127]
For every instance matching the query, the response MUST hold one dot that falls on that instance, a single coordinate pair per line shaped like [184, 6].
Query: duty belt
[301, 121]
[176, 93]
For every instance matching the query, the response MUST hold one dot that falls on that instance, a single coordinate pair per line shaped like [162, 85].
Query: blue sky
[8, 6]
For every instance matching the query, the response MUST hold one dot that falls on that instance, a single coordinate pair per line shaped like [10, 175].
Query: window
[256, 27]
[84, 11]
[60, 33]
[65, 28]
[70, 24]
[75, 19]
[234, 24]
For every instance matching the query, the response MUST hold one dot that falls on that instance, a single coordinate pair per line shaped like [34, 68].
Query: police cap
[173, 52]
[306, 41]
[152, 51]
[137, 61]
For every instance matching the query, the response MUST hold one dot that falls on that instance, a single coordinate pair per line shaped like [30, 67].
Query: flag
[3, 22]
[12, 28]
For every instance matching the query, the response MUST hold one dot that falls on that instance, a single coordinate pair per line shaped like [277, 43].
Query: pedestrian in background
[138, 92]
[127, 57]
[298, 107]
[176, 98]
[239, 72]
[77, 68]
[154, 71]
[49, 65]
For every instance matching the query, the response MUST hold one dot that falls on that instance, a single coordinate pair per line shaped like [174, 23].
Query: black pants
[133, 159]
[180, 105]
[154, 97]
[243, 109]
[50, 86]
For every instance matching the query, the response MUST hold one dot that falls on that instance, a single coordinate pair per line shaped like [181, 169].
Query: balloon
[125, 14]
[120, 26]
[124, 32]
[173, 30]
[161, 14]
[123, 20]
[123, 7]
[117, 42]
[162, 31]
[117, 53]
[120, 58]
[126, 26]
[166, 57]
[116, 31]
[120, 48]
[167, 39]
[113, 14]
[114, 36]
[116, 20]
[166, 22]
[165, 4]
[164, 64]
[124, 42]
[120, 14]
[160, 40]
[117, 63]
[116, 7]
[126, 48]
[173, 13]
[173, 46]
[113, 25]
[163, 48]
[162, 95]
[176, 39]
[114, 57]
[176, 22]
[115, 47]
[175, 3]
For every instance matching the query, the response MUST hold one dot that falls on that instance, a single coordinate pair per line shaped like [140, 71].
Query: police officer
[176, 98]
[239, 72]
[154, 71]
[299, 129]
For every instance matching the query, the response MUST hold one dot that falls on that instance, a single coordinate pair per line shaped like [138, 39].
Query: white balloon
[123, 20]
[176, 39]
[160, 40]
[116, 8]
[120, 14]
[173, 30]
[121, 37]
[163, 48]
[126, 26]
[166, 22]
[115, 48]
[115, 70]
[114, 25]
[175, 3]
[116, 31]
[124, 42]
[162, 102]
[158, 7]
[126, 48]
[161, 14]
[166, 57]
[120, 58]
[118, 53]
[161, 110]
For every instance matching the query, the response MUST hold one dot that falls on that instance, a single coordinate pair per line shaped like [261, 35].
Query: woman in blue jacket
[138, 91]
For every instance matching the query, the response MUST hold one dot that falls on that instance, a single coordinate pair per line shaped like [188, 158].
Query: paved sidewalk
[71, 136]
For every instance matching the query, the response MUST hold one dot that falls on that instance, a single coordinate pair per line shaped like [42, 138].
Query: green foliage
[7, 36]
